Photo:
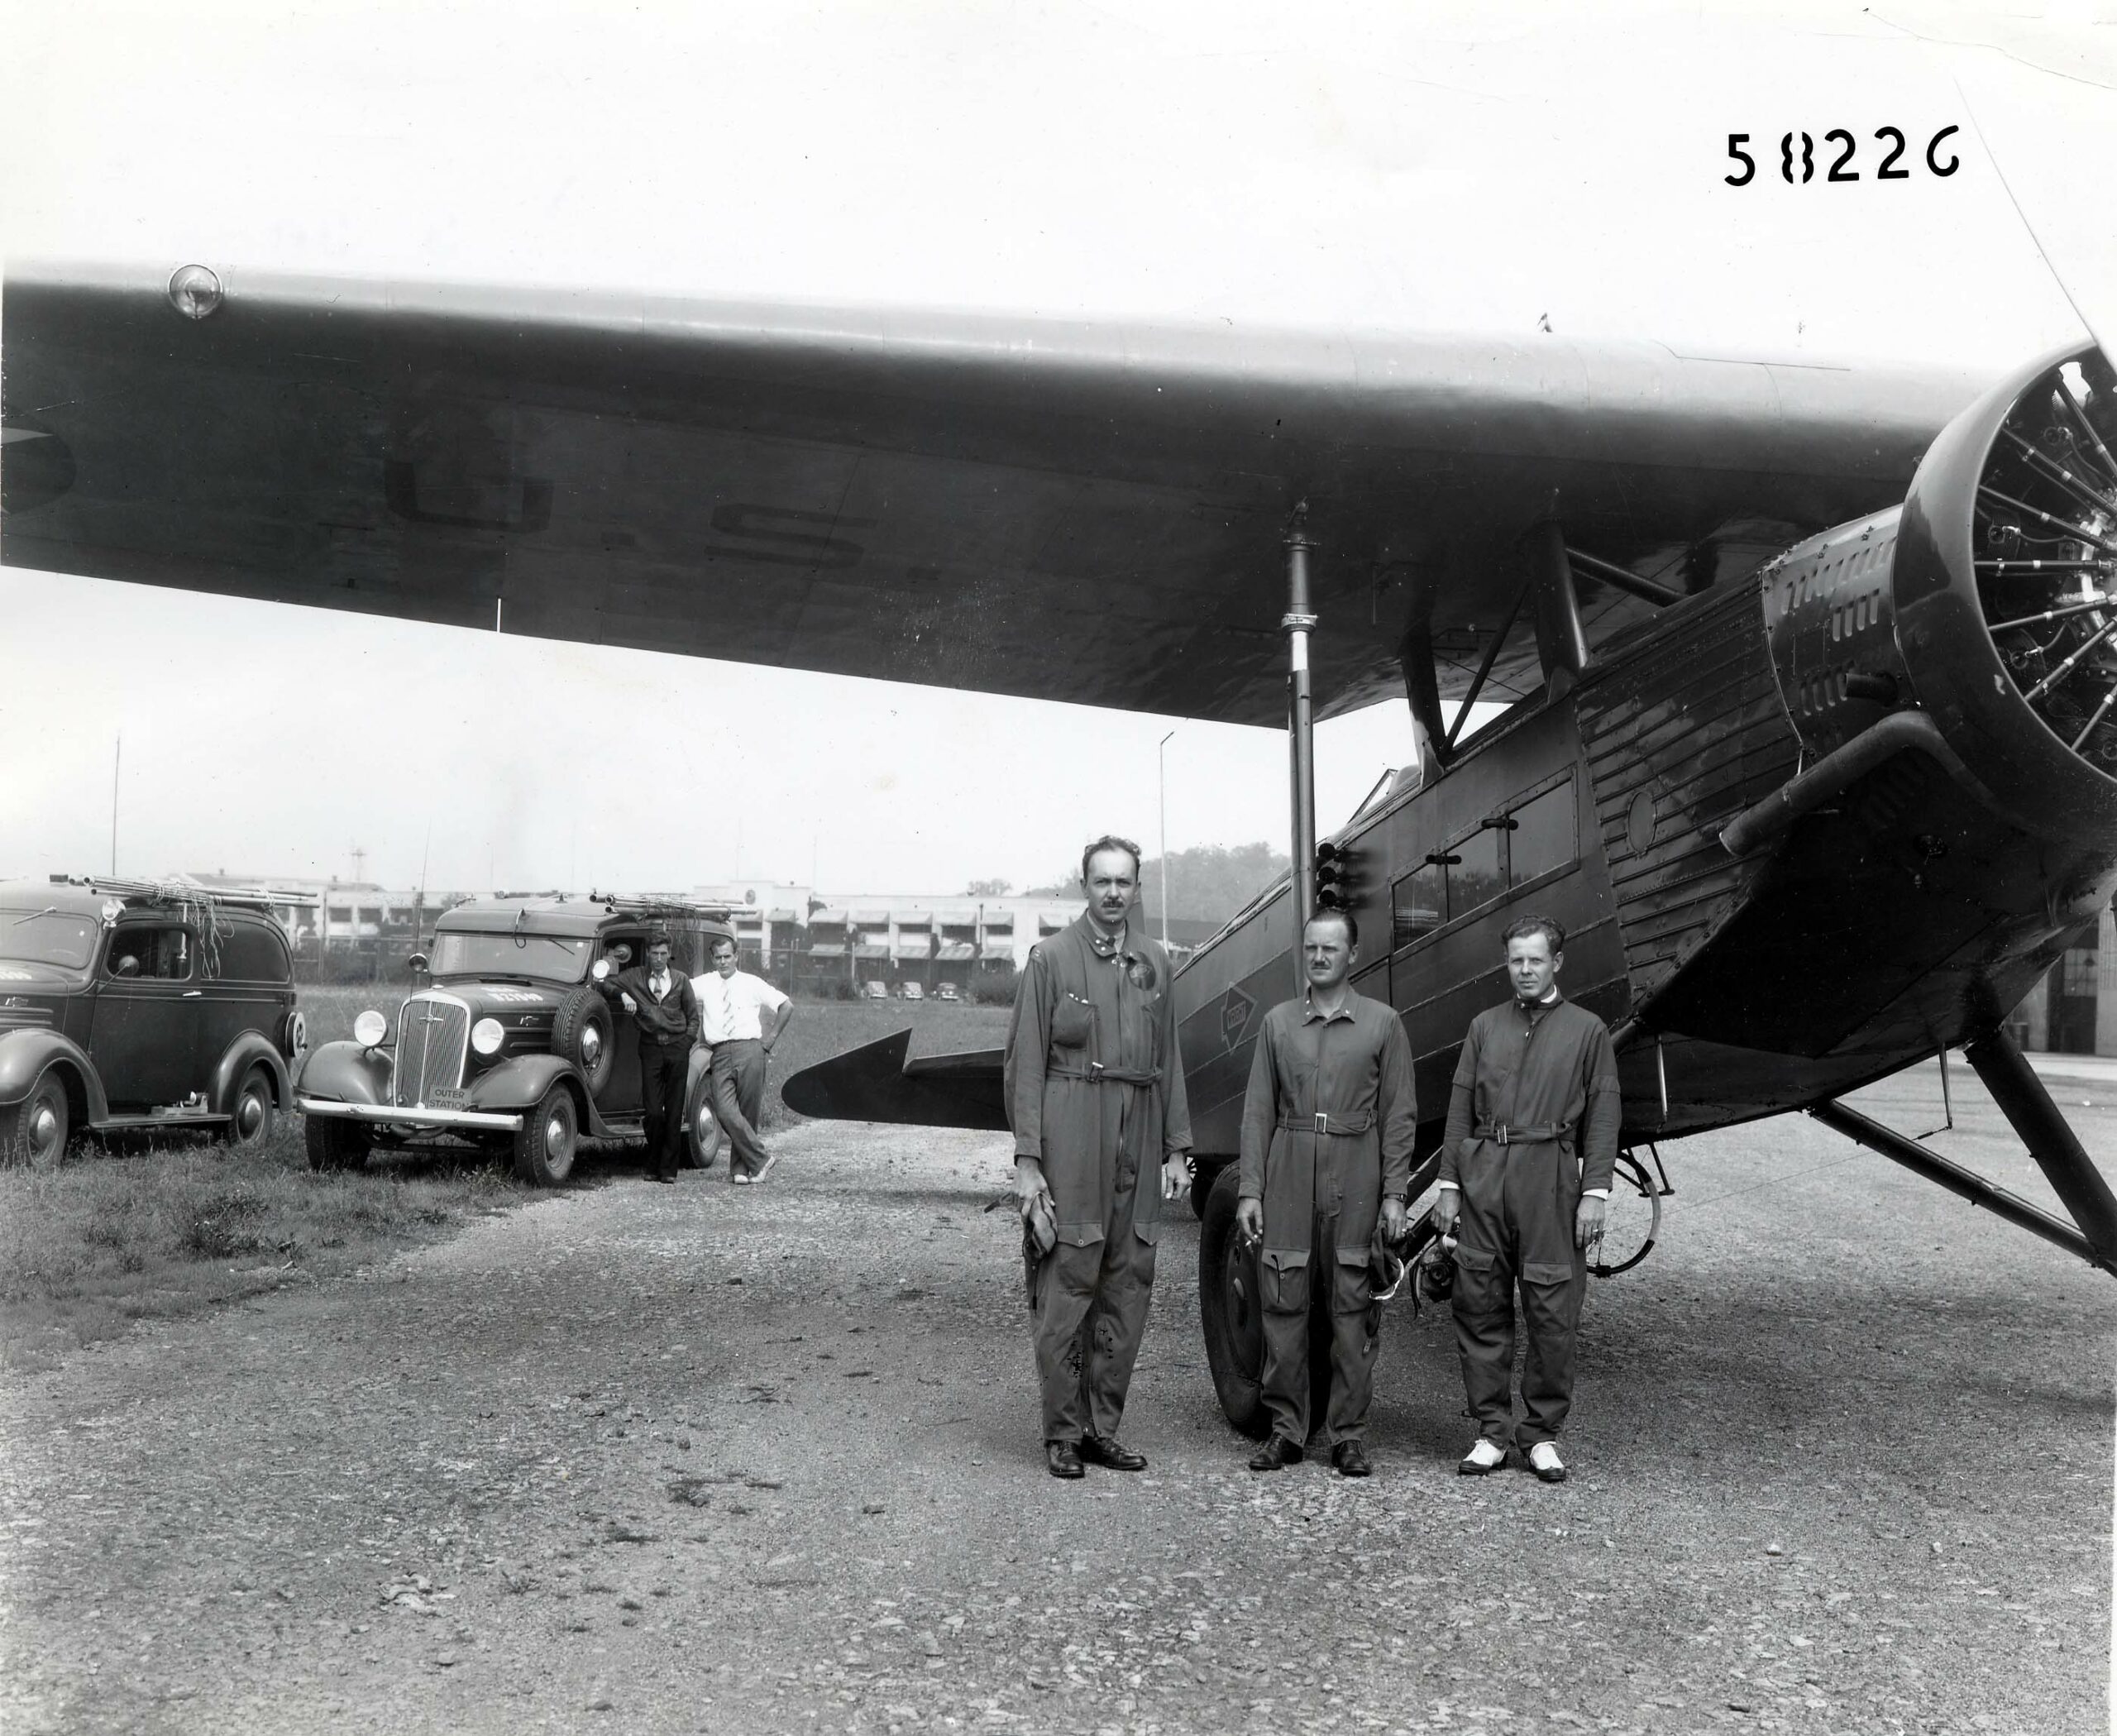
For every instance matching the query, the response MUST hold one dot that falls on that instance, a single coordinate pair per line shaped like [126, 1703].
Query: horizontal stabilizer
[876, 1083]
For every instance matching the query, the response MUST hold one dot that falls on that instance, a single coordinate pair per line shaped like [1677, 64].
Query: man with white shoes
[1531, 1141]
[740, 1018]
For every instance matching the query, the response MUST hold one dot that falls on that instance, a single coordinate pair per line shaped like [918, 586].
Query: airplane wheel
[1230, 1308]
[1204, 1174]
[1631, 1220]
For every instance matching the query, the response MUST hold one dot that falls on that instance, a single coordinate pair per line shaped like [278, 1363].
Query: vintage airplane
[1813, 734]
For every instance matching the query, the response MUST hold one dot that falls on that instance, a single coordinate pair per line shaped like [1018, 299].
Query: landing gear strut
[2058, 1153]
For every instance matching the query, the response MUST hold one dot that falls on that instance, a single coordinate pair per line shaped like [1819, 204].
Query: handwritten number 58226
[1801, 166]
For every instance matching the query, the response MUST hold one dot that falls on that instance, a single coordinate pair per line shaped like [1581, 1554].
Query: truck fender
[346, 1073]
[24, 1055]
[517, 1084]
[250, 1049]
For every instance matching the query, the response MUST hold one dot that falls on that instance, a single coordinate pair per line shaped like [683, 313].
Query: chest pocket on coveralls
[1072, 1022]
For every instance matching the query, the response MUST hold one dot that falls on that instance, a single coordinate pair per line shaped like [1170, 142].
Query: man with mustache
[1094, 1086]
[1327, 1129]
[1526, 1164]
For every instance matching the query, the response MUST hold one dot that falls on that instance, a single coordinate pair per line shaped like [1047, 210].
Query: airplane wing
[1087, 513]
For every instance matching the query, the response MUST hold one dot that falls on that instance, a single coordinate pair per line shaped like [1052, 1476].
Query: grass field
[129, 1231]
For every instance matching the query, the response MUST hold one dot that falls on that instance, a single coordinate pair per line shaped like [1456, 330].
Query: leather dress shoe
[1351, 1460]
[1276, 1454]
[1062, 1459]
[1096, 1449]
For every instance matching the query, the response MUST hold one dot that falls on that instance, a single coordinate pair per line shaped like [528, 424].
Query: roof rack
[175, 891]
[676, 902]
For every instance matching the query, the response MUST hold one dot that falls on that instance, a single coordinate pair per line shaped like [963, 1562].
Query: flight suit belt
[1534, 1133]
[1357, 1120]
[1096, 1074]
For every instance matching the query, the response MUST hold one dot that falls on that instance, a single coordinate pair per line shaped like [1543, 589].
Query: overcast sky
[1428, 168]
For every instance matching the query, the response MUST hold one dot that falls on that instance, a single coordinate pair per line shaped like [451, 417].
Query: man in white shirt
[741, 1017]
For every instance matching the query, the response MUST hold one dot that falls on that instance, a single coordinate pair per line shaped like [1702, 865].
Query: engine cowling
[1988, 600]
[2005, 588]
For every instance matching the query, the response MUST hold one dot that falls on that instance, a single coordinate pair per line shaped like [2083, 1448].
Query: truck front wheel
[544, 1147]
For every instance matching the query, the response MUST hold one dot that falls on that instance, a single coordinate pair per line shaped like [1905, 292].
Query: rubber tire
[256, 1085]
[539, 1160]
[584, 1009]
[1231, 1315]
[699, 1153]
[1205, 1171]
[47, 1096]
[334, 1145]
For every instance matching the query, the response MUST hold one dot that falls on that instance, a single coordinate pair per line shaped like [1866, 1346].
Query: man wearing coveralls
[1095, 1095]
[1537, 1083]
[1327, 1128]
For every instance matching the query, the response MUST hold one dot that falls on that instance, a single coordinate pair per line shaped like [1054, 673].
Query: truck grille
[433, 1032]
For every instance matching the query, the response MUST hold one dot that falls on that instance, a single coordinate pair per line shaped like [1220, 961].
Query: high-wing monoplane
[1810, 674]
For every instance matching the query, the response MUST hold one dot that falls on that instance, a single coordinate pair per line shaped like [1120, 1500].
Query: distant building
[344, 915]
[2073, 1011]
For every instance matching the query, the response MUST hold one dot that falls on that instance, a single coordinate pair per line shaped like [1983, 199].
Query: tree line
[1207, 883]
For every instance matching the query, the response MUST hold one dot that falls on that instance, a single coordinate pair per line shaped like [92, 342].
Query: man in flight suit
[1327, 1128]
[1526, 1164]
[1095, 1095]
[660, 1000]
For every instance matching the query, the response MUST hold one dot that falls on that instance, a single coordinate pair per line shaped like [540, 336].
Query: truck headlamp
[487, 1034]
[369, 1029]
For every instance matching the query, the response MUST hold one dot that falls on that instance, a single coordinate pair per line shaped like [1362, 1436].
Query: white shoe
[1485, 1456]
[1545, 1462]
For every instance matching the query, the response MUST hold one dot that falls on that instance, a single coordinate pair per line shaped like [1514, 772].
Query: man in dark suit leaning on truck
[660, 999]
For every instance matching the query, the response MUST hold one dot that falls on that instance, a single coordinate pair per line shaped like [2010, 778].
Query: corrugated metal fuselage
[1905, 916]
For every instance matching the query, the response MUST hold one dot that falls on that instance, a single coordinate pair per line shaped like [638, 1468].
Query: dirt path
[704, 1459]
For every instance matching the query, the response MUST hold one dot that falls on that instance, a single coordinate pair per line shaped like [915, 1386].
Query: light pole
[1161, 761]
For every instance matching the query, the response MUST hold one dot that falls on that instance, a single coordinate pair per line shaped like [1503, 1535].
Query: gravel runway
[711, 1459]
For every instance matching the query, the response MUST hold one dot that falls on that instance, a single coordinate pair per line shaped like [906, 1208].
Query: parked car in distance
[946, 992]
[134, 1006]
[512, 1047]
[874, 989]
[914, 992]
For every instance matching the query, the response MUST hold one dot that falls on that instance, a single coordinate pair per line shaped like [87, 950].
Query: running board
[143, 1123]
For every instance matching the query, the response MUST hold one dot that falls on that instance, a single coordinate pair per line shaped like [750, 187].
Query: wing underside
[1087, 514]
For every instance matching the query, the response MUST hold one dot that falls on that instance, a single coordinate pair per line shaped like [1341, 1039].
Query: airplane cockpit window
[1421, 903]
[1544, 835]
[1475, 876]
[160, 953]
